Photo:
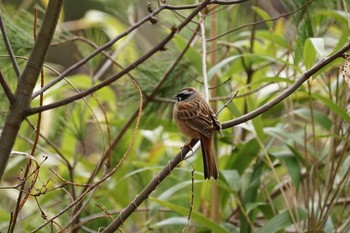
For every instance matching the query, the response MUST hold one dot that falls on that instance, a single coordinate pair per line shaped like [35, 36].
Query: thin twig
[192, 6]
[204, 56]
[6, 89]
[129, 30]
[259, 22]
[26, 85]
[21, 201]
[9, 48]
[290, 90]
[179, 157]
[165, 171]
[229, 101]
[97, 51]
[80, 198]
[212, 87]
[145, 104]
[115, 77]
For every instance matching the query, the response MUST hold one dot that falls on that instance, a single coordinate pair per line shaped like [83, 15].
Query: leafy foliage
[286, 170]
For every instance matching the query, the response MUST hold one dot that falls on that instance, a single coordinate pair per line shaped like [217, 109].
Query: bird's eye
[182, 96]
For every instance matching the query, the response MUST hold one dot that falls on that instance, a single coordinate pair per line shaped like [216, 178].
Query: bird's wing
[197, 116]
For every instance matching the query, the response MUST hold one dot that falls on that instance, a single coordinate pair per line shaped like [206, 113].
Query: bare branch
[97, 51]
[27, 82]
[6, 89]
[9, 48]
[287, 92]
[192, 6]
[115, 77]
[152, 185]
[148, 100]
[125, 213]
[130, 29]
[259, 22]
[228, 2]
[204, 56]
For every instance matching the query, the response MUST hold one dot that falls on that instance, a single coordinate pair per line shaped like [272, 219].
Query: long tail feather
[210, 169]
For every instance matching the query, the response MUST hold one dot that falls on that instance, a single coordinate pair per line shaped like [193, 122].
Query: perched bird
[195, 118]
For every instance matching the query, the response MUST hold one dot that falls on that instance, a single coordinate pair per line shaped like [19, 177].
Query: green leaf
[344, 168]
[297, 155]
[252, 206]
[264, 80]
[283, 220]
[244, 157]
[267, 210]
[294, 170]
[329, 103]
[195, 216]
[273, 37]
[191, 54]
[174, 189]
[233, 179]
[110, 24]
[221, 64]
[250, 195]
[319, 117]
[264, 15]
[312, 48]
[257, 122]
[171, 221]
[253, 58]
[341, 16]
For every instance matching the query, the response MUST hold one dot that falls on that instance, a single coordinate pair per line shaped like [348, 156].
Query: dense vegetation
[88, 141]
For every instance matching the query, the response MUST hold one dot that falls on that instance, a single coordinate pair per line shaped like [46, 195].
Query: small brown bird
[197, 120]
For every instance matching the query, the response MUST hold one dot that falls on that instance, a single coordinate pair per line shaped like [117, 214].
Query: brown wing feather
[198, 116]
[196, 119]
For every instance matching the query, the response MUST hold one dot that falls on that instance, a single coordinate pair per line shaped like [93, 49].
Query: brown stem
[24, 90]
[9, 48]
[152, 185]
[27, 82]
[110, 80]
[6, 89]
[128, 31]
[87, 188]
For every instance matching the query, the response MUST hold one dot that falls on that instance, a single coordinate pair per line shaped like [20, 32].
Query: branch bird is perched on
[195, 118]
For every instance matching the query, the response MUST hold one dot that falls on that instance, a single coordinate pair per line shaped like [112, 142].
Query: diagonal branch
[9, 48]
[152, 185]
[146, 102]
[105, 82]
[27, 82]
[287, 92]
[96, 52]
[128, 31]
[6, 89]
[149, 98]
[132, 66]
[261, 21]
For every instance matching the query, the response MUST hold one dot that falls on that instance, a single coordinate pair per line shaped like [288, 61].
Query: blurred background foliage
[284, 171]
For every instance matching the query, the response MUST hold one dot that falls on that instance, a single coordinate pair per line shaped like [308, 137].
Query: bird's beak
[174, 97]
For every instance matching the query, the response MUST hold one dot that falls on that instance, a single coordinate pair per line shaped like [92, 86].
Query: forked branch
[27, 82]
